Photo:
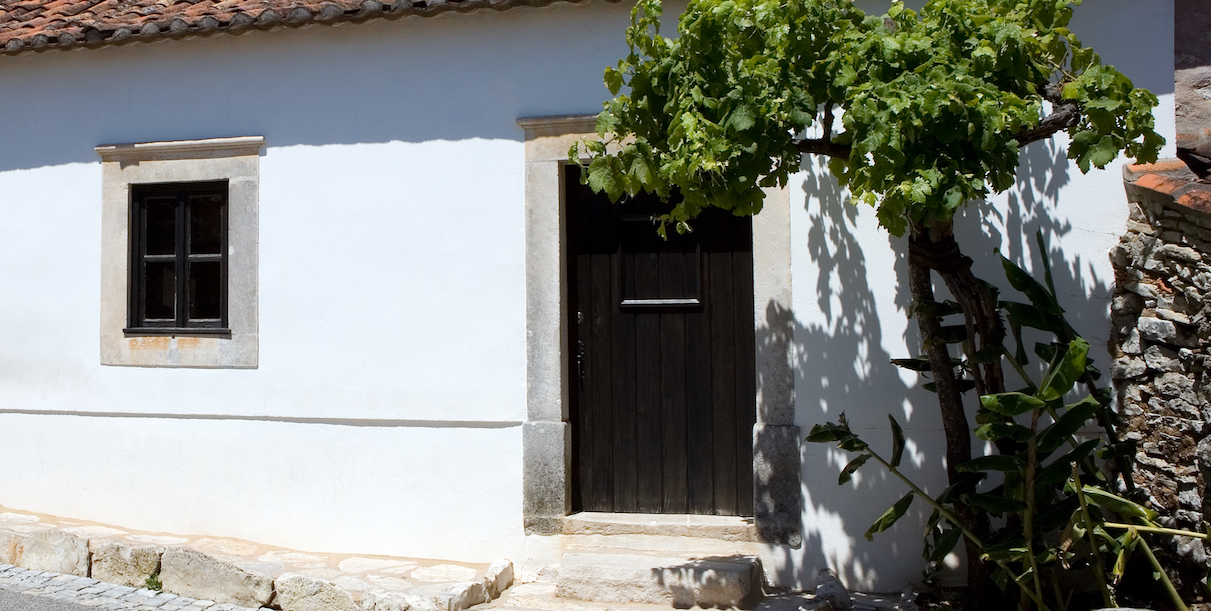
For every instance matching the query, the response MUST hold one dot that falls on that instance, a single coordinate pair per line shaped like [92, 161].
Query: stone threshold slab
[723, 528]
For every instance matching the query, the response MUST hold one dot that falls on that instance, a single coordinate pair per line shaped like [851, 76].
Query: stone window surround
[546, 434]
[236, 160]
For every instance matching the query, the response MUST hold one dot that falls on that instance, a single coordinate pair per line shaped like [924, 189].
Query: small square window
[178, 265]
[179, 243]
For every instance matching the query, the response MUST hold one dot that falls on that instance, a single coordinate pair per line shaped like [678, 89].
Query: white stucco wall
[851, 298]
[384, 416]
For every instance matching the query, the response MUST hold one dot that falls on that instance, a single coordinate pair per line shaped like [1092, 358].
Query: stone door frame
[546, 433]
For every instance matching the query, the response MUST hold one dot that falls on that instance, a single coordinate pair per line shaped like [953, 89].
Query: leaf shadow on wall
[843, 365]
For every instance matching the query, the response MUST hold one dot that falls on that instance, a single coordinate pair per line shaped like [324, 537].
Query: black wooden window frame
[137, 321]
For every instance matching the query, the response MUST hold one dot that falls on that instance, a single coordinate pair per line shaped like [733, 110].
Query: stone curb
[62, 565]
[93, 593]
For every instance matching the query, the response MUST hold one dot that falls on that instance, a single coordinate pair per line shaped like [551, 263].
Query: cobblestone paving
[100, 595]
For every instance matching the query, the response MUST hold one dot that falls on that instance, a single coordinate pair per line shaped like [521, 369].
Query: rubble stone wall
[1161, 342]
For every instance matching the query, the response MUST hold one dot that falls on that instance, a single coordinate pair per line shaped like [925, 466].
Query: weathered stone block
[1176, 317]
[125, 565]
[1190, 499]
[186, 572]
[1120, 255]
[1202, 280]
[1160, 267]
[830, 588]
[1172, 235]
[1138, 227]
[1183, 253]
[545, 481]
[498, 577]
[730, 582]
[1127, 303]
[463, 596]
[1157, 330]
[382, 600]
[1176, 385]
[1160, 358]
[294, 592]
[1131, 344]
[56, 551]
[12, 546]
[1143, 289]
[1127, 367]
[1193, 550]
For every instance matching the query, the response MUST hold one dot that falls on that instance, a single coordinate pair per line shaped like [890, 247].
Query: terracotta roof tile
[1168, 183]
[1197, 199]
[1158, 182]
[34, 25]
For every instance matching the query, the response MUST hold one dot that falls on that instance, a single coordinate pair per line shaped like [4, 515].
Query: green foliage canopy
[934, 105]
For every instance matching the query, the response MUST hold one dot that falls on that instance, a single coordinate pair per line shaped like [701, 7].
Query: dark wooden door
[661, 359]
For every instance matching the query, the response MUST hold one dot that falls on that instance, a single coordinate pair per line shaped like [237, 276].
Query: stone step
[718, 581]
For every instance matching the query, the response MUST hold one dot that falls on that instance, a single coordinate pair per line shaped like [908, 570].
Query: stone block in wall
[498, 578]
[1183, 253]
[1127, 303]
[55, 551]
[382, 600]
[1171, 236]
[1165, 331]
[461, 596]
[1177, 386]
[1131, 343]
[1160, 358]
[1127, 367]
[1172, 315]
[12, 546]
[186, 572]
[1142, 289]
[1158, 267]
[125, 565]
[294, 592]
[1139, 228]
[1189, 498]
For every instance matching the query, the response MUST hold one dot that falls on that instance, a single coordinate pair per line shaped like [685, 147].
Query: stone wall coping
[1169, 183]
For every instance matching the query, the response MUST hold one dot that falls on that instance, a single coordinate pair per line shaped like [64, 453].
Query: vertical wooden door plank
[672, 373]
[700, 416]
[648, 382]
[599, 358]
[723, 318]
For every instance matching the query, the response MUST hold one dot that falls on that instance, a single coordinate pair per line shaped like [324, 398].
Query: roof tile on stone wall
[35, 25]
[1168, 182]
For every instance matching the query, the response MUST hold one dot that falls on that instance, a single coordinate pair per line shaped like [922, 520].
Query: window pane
[204, 289]
[160, 292]
[205, 224]
[161, 229]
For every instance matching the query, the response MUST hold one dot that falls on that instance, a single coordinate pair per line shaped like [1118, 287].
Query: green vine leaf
[930, 110]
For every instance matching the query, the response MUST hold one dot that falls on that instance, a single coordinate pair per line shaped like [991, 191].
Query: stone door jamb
[546, 434]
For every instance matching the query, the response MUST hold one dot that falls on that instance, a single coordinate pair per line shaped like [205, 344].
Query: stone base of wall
[185, 572]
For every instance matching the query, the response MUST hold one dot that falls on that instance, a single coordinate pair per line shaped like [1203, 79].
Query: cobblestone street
[84, 592]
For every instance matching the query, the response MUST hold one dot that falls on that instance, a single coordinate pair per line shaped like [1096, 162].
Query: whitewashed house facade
[377, 357]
